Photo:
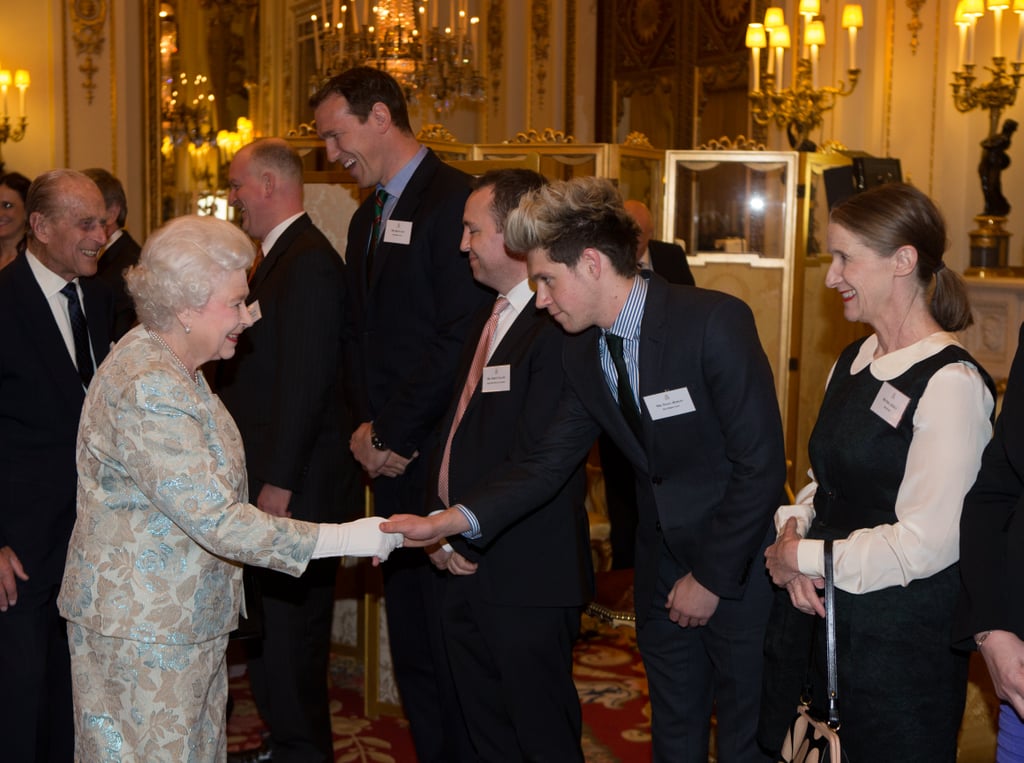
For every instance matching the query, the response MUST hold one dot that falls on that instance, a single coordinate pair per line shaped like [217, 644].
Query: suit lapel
[38, 322]
[405, 210]
[274, 256]
[96, 318]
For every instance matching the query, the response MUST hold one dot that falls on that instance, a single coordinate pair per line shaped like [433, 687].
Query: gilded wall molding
[547, 135]
[540, 24]
[495, 46]
[915, 24]
[88, 18]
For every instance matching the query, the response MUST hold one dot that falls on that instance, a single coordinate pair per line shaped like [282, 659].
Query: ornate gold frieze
[741, 143]
[548, 135]
[637, 139]
[437, 133]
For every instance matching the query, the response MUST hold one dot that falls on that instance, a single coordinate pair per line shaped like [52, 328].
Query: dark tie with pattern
[80, 332]
[379, 198]
[627, 403]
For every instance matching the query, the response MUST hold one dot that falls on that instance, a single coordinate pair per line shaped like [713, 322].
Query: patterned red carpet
[609, 677]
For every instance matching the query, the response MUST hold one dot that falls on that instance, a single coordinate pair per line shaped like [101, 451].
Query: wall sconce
[797, 109]
[21, 81]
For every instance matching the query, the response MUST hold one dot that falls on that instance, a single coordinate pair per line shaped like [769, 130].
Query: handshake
[367, 537]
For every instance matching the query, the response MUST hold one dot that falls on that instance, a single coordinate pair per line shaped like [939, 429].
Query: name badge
[398, 231]
[890, 404]
[671, 402]
[496, 379]
[254, 311]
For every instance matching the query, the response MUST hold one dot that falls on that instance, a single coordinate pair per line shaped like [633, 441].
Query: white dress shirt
[951, 428]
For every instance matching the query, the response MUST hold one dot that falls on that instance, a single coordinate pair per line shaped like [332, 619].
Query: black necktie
[79, 330]
[378, 212]
[627, 403]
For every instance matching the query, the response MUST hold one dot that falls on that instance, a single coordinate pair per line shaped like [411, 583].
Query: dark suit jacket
[117, 258]
[284, 384]
[708, 481]
[542, 557]
[669, 261]
[405, 330]
[992, 525]
[41, 398]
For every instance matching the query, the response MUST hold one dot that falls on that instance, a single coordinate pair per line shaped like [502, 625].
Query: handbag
[809, 738]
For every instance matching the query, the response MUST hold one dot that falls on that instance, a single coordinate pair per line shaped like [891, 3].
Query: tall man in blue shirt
[409, 297]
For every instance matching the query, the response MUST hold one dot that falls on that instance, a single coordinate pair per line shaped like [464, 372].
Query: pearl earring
[188, 329]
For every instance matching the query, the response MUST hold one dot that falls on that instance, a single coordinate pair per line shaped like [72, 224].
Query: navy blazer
[992, 525]
[41, 398]
[118, 257]
[284, 387]
[407, 322]
[669, 261]
[708, 481]
[507, 425]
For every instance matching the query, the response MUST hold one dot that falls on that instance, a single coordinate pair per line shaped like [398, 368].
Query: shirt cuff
[810, 558]
[473, 533]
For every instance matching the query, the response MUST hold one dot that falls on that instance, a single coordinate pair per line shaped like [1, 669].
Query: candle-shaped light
[756, 39]
[21, 81]
[774, 17]
[853, 19]
[997, 7]
[808, 9]
[474, 26]
[1018, 8]
[5, 82]
[780, 41]
[973, 10]
[814, 38]
[962, 22]
[316, 40]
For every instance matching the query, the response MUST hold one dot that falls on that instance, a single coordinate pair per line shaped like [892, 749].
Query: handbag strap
[830, 640]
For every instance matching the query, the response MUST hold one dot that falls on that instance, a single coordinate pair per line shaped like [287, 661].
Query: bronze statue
[993, 161]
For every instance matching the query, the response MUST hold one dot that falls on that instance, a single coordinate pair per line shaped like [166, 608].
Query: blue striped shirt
[627, 325]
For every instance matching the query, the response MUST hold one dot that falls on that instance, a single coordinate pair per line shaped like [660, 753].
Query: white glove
[359, 538]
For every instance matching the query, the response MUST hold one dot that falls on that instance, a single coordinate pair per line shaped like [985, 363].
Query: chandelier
[407, 41]
[798, 109]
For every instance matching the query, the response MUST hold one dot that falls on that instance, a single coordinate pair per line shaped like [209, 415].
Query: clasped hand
[783, 566]
[377, 463]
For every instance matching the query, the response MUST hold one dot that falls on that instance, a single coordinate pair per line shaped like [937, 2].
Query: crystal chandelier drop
[407, 41]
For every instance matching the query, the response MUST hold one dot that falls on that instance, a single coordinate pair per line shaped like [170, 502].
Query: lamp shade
[997, 5]
[974, 8]
[780, 37]
[1018, 6]
[756, 37]
[21, 78]
[809, 7]
[815, 33]
[5, 78]
[853, 16]
[774, 17]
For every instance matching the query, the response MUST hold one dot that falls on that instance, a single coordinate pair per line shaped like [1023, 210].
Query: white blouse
[951, 428]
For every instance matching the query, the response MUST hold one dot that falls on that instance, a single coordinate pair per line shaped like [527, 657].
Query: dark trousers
[288, 665]
[412, 595]
[513, 675]
[692, 670]
[35, 676]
